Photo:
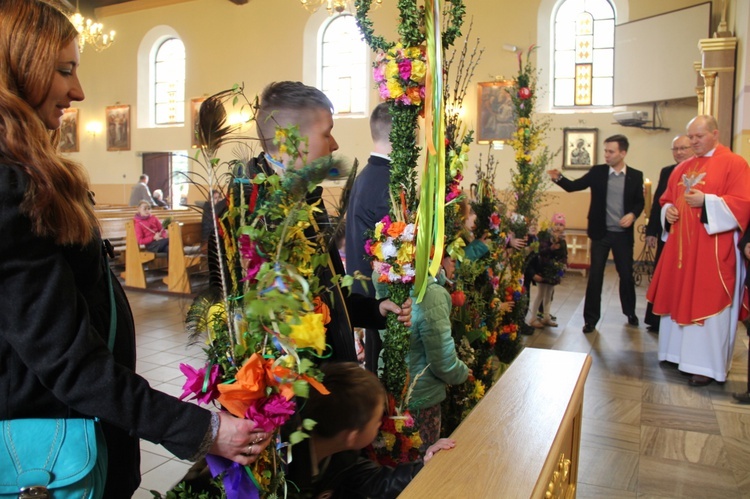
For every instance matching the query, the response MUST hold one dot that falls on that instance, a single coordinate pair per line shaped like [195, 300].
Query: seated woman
[149, 231]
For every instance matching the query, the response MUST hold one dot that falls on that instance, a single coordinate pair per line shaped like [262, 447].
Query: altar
[522, 440]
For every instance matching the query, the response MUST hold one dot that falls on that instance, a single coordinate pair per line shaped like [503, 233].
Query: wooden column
[700, 89]
[717, 68]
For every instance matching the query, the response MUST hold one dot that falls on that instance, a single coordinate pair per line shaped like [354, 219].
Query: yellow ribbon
[431, 211]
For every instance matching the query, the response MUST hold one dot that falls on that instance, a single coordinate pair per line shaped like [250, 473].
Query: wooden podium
[521, 441]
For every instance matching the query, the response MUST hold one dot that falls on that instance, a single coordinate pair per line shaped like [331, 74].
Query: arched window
[584, 36]
[169, 83]
[343, 73]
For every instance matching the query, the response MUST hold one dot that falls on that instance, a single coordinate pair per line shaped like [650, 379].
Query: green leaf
[297, 437]
[301, 388]
[309, 424]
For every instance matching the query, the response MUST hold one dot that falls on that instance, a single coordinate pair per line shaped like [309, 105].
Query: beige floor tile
[668, 478]
[677, 395]
[616, 410]
[608, 435]
[679, 418]
[587, 491]
[612, 469]
[626, 389]
[688, 446]
[734, 424]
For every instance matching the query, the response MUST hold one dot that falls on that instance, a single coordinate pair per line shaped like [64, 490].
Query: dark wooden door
[158, 167]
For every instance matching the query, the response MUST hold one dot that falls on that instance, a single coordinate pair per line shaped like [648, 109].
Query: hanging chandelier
[90, 32]
[334, 6]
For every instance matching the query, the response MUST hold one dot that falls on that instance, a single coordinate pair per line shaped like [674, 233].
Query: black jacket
[54, 318]
[369, 202]
[654, 227]
[596, 180]
[346, 475]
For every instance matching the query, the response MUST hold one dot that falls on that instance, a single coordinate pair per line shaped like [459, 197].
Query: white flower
[408, 233]
[388, 248]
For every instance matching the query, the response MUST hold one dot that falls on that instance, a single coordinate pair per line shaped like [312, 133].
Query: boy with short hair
[289, 103]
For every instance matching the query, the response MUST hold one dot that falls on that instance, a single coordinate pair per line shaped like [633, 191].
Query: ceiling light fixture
[90, 32]
[335, 6]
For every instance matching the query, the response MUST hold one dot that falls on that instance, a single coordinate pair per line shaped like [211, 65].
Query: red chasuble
[695, 276]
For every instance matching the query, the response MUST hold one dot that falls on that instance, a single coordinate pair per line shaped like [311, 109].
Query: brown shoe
[698, 380]
[549, 322]
[537, 324]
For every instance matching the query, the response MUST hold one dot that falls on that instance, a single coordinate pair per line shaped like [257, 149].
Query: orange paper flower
[396, 228]
[250, 384]
[321, 308]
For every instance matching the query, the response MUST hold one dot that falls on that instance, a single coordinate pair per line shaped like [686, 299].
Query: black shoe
[633, 320]
[653, 329]
[588, 328]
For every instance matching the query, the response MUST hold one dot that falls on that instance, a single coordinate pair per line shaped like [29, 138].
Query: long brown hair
[32, 33]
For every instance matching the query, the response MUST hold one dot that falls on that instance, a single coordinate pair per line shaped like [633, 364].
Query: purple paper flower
[271, 412]
[193, 387]
[378, 74]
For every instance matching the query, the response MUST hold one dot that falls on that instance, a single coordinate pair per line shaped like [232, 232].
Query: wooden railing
[521, 441]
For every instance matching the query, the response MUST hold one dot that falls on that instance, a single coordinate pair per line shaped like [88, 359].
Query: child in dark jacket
[548, 269]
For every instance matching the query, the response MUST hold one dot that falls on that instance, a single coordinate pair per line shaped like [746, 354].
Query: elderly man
[681, 150]
[697, 285]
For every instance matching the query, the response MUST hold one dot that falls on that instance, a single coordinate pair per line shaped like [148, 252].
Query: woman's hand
[239, 440]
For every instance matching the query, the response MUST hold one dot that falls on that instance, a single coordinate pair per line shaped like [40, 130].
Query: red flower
[524, 93]
[458, 298]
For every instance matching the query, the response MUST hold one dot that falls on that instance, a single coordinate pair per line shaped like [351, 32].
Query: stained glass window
[169, 83]
[344, 75]
[584, 39]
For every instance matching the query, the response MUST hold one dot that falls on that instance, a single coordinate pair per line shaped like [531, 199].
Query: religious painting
[579, 148]
[195, 106]
[495, 116]
[118, 128]
[69, 131]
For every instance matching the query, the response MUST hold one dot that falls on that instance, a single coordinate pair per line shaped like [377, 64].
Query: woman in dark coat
[55, 299]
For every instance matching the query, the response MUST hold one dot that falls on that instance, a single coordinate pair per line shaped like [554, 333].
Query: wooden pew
[522, 440]
[113, 225]
[181, 234]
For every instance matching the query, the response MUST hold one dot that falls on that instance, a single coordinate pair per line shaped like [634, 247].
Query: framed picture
[495, 112]
[69, 130]
[195, 106]
[118, 128]
[579, 148]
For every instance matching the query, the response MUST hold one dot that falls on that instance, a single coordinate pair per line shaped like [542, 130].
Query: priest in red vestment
[697, 284]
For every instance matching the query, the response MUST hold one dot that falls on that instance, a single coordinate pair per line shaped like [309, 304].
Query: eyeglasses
[681, 148]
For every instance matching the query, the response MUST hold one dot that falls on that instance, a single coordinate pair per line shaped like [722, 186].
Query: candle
[647, 196]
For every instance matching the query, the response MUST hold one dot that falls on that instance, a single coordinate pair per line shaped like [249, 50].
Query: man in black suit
[369, 202]
[681, 150]
[616, 202]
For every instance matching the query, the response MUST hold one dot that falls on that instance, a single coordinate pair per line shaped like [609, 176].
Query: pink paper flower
[249, 253]
[404, 69]
[193, 387]
[269, 413]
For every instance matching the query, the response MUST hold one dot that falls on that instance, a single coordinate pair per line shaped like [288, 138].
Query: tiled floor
[646, 433]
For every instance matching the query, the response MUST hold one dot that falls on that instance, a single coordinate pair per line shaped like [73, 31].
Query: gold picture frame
[69, 134]
[579, 148]
[118, 128]
[495, 113]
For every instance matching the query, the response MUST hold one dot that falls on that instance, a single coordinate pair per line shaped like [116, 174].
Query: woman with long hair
[57, 295]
